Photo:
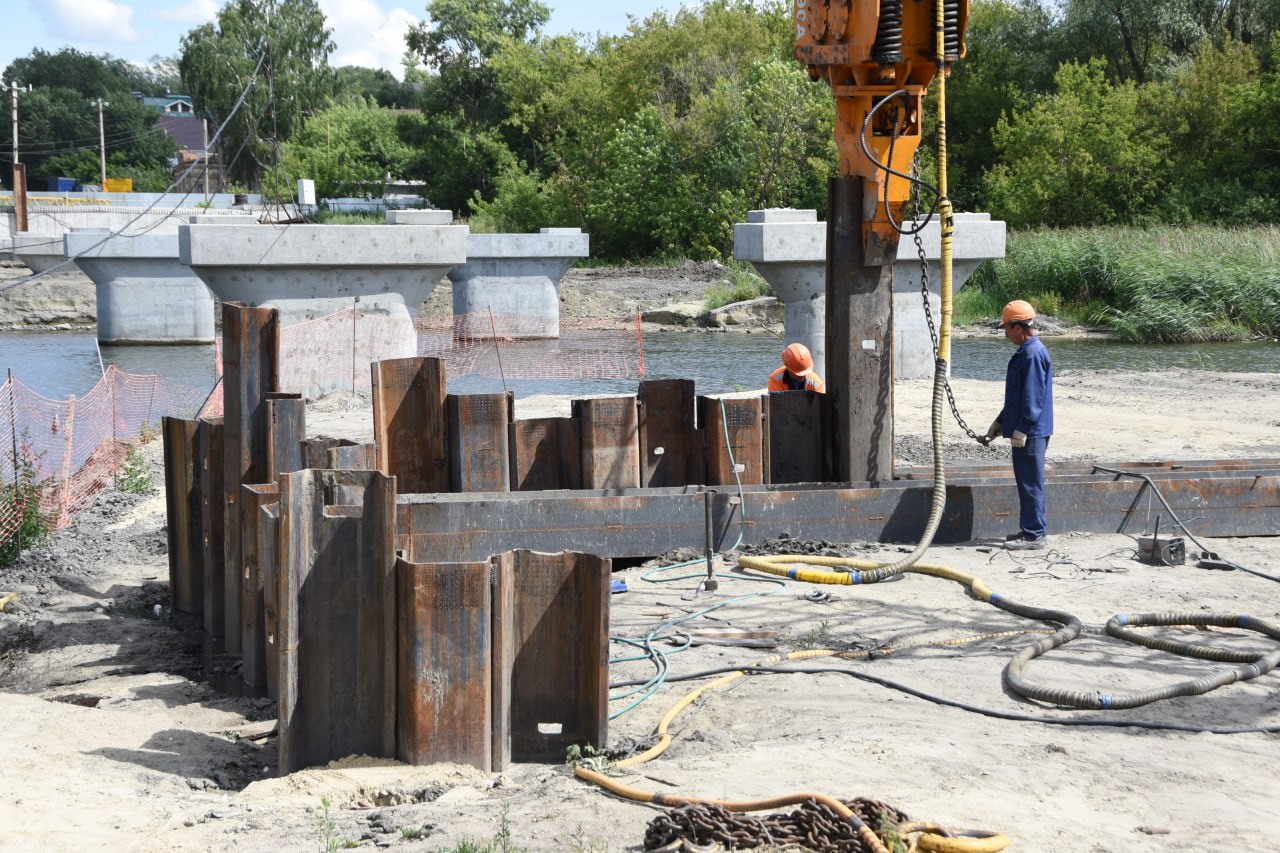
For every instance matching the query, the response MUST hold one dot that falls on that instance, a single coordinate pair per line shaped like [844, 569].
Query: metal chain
[928, 313]
[813, 825]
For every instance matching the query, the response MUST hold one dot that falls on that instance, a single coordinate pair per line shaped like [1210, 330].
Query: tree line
[656, 141]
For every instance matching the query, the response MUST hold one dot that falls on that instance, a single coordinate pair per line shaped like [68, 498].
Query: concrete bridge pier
[516, 279]
[788, 248]
[145, 295]
[309, 271]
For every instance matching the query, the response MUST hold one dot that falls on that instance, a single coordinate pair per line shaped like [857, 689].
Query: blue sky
[367, 32]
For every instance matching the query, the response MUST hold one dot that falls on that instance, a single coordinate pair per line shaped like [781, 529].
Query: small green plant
[412, 833]
[888, 832]
[501, 843]
[134, 475]
[816, 638]
[327, 831]
[742, 284]
[21, 500]
[148, 433]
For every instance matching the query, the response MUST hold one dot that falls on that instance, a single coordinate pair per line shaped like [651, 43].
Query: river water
[58, 364]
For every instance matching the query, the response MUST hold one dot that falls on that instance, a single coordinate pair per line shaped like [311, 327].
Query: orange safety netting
[61, 453]
[334, 352]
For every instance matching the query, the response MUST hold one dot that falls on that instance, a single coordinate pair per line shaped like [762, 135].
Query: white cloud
[195, 12]
[367, 35]
[90, 20]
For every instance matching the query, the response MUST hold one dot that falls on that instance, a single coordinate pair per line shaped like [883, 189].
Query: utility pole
[204, 132]
[19, 171]
[102, 143]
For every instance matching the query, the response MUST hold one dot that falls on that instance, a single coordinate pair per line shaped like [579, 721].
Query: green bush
[134, 476]
[22, 499]
[1147, 285]
[742, 283]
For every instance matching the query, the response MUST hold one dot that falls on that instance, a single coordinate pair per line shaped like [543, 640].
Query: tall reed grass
[1147, 285]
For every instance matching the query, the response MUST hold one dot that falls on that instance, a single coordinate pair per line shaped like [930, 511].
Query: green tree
[1086, 155]
[277, 52]
[59, 127]
[378, 85]
[349, 148]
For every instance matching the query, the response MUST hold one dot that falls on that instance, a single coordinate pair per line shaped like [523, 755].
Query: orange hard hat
[1017, 311]
[798, 360]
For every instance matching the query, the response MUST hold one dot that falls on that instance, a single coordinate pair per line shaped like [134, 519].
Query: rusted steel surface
[212, 497]
[644, 522]
[286, 430]
[315, 451]
[742, 420]
[502, 654]
[250, 370]
[1084, 467]
[670, 447]
[353, 457]
[546, 453]
[443, 678]
[409, 425]
[560, 654]
[859, 339]
[183, 515]
[610, 442]
[337, 619]
[793, 444]
[253, 630]
[269, 567]
[478, 457]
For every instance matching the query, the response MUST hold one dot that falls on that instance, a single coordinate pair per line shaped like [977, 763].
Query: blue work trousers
[1028, 473]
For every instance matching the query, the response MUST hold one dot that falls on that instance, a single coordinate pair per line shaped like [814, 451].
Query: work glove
[1018, 439]
[993, 432]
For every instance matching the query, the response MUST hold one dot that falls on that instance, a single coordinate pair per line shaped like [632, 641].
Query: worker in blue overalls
[1027, 421]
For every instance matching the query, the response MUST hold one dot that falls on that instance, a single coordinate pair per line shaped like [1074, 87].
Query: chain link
[928, 313]
[813, 825]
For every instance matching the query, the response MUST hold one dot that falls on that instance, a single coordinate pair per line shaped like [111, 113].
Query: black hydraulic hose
[1092, 722]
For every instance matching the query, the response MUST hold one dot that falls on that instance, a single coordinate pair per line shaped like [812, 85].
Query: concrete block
[419, 217]
[145, 295]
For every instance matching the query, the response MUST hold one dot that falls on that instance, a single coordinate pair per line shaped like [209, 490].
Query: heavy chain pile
[813, 825]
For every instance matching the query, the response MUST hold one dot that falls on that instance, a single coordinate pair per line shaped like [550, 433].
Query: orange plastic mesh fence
[322, 352]
[66, 451]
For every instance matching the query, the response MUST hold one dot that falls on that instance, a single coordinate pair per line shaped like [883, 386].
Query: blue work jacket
[1028, 392]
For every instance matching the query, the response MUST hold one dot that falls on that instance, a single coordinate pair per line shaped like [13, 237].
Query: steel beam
[645, 522]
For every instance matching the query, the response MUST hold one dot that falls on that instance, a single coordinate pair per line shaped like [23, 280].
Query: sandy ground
[111, 740]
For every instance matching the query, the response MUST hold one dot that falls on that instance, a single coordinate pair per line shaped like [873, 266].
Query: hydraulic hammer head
[878, 57]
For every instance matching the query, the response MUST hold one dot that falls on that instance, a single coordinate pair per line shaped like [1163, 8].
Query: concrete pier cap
[517, 277]
[788, 247]
[310, 271]
[145, 295]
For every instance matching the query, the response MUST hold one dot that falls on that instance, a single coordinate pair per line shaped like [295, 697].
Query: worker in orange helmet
[796, 373]
[1027, 421]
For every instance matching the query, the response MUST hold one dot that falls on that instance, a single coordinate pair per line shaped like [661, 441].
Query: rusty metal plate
[337, 617]
[670, 447]
[560, 661]
[444, 680]
[740, 421]
[286, 430]
[250, 370]
[546, 453]
[269, 568]
[645, 522]
[479, 460]
[353, 457]
[253, 630]
[208, 475]
[409, 423]
[610, 442]
[183, 510]
[794, 437]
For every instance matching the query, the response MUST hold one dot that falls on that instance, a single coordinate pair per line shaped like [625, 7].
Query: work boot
[1026, 543]
[1013, 537]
